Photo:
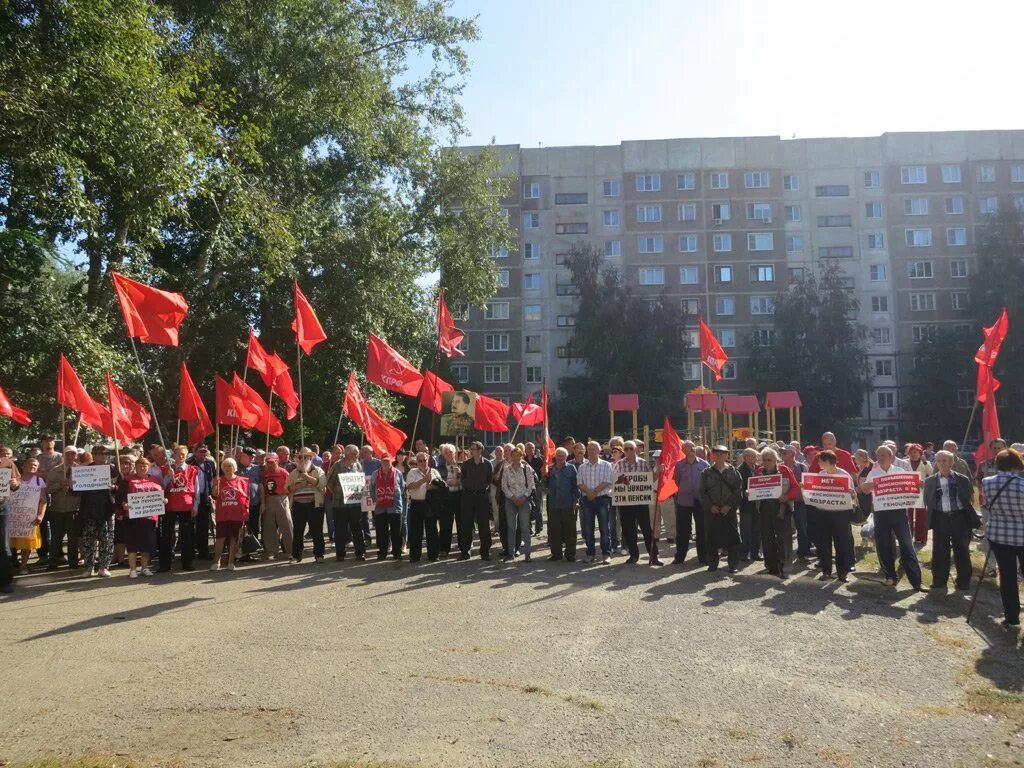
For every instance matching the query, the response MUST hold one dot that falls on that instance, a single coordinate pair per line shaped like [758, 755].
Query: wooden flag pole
[149, 398]
[337, 431]
[177, 433]
[78, 427]
[270, 412]
[63, 431]
[298, 366]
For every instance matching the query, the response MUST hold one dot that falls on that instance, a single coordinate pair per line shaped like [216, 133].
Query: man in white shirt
[595, 484]
[892, 521]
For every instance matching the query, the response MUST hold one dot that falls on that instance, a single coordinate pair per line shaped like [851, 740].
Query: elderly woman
[776, 515]
[918, 517]
[834, 530]
[6, 563]
[231, 496]
[96, 513]
[140, 532]
[517, 484]
[25, 544]
[420, 484]
[1003, 514]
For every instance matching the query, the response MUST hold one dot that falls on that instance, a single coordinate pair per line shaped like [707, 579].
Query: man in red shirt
[277, 515]
[844, 460]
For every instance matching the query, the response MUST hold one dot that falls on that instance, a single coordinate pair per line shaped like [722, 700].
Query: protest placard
[637, 488]
[761, 487]
[6, 473]
[353, 486]
[827, 491]
[22, 508]
[367, 504]
[145, 504]
[91, 477]
[896, 491]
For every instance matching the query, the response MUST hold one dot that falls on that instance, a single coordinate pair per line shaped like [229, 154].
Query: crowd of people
[267, 505]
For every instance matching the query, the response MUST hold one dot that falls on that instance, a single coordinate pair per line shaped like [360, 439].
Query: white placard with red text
[763, 487]
[827, 491]
[897, 491]
[22, 508]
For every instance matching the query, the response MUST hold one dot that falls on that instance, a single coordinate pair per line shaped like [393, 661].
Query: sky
[563, 72]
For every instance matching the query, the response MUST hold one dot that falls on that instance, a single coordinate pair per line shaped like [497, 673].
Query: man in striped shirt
[633, 515]
[595, 484]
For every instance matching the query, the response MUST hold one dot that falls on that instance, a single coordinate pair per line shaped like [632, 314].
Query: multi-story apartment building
[722, 225]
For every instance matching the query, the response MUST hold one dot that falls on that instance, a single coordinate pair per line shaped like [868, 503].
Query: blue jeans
[894, 523]
[599, 509]
[518, 516]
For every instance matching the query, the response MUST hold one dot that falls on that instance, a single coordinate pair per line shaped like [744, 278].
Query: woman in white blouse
[517, 484]
[422, 513]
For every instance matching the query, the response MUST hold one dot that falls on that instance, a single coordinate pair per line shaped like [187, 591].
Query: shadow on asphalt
[134, 614]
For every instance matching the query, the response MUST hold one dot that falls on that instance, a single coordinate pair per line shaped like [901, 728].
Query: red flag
[256, 357]
[989, 428]
[232, 408]
[671, 452]
[129, 420]
[711, 353]
[379, 434]
[8, 409]
[386, 367]
[448, 336]
[307, 328]
[549, 444]
[192, 410]
[987, 384]
[528, 414]
[994, 336]
[491, 414]
[430, 392]
[151, 315]
[355, 404]
[71, 393]
[266, 420]
[283, 386]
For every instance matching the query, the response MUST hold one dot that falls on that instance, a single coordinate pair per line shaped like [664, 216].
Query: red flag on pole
[355, 404]
[386, 367]
[231, 407]
[491, 414]
[671, 453]
[549, 444]
[528, 414]
[8, 409]
[430, 393]
[266, 420]
[989, 428]
[283, 386]
[257, 358]
[987, 384]
[994, 335]
[379, 434]
[711, 353]
[448, 336]
[71, 393]
[307, 327]
[151, 315]
[192, 410]
[129, 419]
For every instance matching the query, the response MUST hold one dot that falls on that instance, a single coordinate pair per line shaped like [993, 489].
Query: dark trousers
[348, 526]
[449, 510]
[814, 516]
[631, 517]
[803, 538]
[419, 524]
[951, 533]
[476, 510]
[776, 536]
[834, 531]
[63, 524]
[202, 529]
[562, 531]
[389, 531]
[6, 562]
[303, 514]
[185, 524]
[536, 516]
[688, 519]
[1009, 559]
[894, 522]
[732, 551]
[750, 533]
[255, 516]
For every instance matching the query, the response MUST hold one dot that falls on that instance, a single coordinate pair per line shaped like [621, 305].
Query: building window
[503, 278]
[723, 273]
[566, 351]
[876, 241]
[572, 228]
[729, 370]
[495, 374]
[791, 182]
[985, 173]
[687, 243]
[648, 213]
[727, 337]
[873, 210]
[1017, 174]
[689, 276]
[612, 248]
[531, 281]
[913, 174]
[951, 174]
[762, 337]
[531, 251]
[534, 374]
[987, 205]
[794, 213]
[919, 238]
[725, 306]
[685, 181]
[919, 269]
[834, 221]
[954, 205]
[719, 180]
[722, 243]
[571, 198]
[496, 310]
[648, 183]
[796, 275]
[566, 321]
[1018, 203]
[531, 190]
[835, 252]
[762, 305]
[532, 313]
[611, 188]
[886, 400]
[922, 302]
[960, 300]
[920, 333]
[883, 367]
[460, 373]
[956, 236]
[877, 273]
[652, 275]
[794, 244]
[650, 244]
[532, 344]
[760, 241]
[879, 303]
[531, 221]
[612, 218]
[881, 335]
[756, 179]
[687, 212]
[567, 289]
[832, 190]
[691, 371]
[762, 273]
[690, 307]
[872, 180]
[496, 342]
[915, 206]
[958, 268]
[460, 310]
[499, 253]
[721, 212]
[759, 211]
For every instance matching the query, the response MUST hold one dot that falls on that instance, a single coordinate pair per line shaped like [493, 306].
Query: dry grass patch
[570, 698]
[95, 761]
[945, 639]
[792, 740]
[740, 733]
[934, 709]
[996, 702]
[835, 757]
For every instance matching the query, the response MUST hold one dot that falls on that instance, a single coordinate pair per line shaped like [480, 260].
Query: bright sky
[560, 72]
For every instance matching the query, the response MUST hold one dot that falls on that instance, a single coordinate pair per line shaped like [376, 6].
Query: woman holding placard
[231, 494]
[835, 531]
[775, 511]
[24, 545]
[140, 532]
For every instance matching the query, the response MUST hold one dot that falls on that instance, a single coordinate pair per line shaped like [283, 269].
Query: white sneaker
[133, 574]
[606, 560]
[231, 566]
[104, 573]
[147, 572]
[215, 566]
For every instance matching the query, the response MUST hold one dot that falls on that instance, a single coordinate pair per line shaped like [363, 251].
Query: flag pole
[298, 366]
[235, 429]
[63, 430]
[177, 433]
[145, 387]
[970, 423]
[270, 412]
[337, 431]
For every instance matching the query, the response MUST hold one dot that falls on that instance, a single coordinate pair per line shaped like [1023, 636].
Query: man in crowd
[750, 524]
[987, 468]
[207, 470]
[563, 490]
[284, 458]
[183, 493]
[63, 511]
[949, 499]
[721, 489]
[536, 462]
[595, 483]
[635, 515]
[797, 467]
[276, 505]
[959, 465]
[579, 455]
[370, 465]
[689, 515]
[348, 517]
[476, 484]
[247, 468]
[892, 522]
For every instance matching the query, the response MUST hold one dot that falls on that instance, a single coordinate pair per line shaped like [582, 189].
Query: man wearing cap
[277, 516]
[247, 468]
[63, 511]
[201, 460]
[348, 518]
[689, 515]
[306, 485]
[387, 489]
[721, 489]
[633, 516]
[184, 483]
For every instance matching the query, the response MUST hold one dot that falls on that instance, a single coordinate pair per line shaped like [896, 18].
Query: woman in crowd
[24, 545]
[231, 496]
[834, 526]
[96, 516]
[1003, 515]
[6, 562]
[451, 471]
[517, 484]
[140, 532]
[776, 515]
[918, 517]
[419, 483]
[387, 489]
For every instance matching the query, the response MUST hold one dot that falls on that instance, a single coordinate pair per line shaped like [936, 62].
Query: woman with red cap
[918, 516]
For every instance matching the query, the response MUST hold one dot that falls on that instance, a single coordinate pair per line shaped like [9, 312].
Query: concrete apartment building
[724, 224]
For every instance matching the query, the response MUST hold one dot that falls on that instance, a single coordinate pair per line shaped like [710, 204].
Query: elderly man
[949, 499]
[348, 516]
[689, 515]
[387, 489]
[595, 483]
[959, 465]
[201, 459]
[634, 515]
[62, 511]
[277, 516]
[721, 489]
[563, 492]
[284, 458]
[247, 468]
[476, 476]
[305, 486]
[892, 522]
[987, 468]
[450, 508]
[750, 525]
[844, 460]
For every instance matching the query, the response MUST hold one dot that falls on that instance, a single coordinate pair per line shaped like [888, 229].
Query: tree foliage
[631, 344]
[817, 349]
[224, 149]
[929, 405]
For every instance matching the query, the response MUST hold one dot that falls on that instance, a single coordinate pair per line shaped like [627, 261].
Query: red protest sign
[827, 491]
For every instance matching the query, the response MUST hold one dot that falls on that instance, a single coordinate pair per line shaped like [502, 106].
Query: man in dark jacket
[949, 499]
[721, 489]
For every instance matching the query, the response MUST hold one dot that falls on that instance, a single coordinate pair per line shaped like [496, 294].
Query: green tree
[631, 343]
[817, 348]
[929, 397]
